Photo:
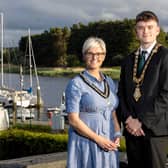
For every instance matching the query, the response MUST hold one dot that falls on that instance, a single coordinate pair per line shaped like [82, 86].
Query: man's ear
[158, 30]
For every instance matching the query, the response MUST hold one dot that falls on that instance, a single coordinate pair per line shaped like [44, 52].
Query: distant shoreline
[113, 72]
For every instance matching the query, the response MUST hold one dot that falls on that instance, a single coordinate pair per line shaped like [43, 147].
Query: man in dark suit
[143, 95]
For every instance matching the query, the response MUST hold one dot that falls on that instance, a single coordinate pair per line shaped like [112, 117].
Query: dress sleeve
[73, 96]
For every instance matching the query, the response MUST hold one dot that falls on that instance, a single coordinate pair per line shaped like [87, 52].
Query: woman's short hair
[92, 42]
[146, 15]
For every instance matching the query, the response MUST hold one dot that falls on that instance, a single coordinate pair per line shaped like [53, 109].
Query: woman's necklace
[139, 80]
[104, 94]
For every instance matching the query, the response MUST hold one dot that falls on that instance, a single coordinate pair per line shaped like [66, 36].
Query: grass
[113, 72]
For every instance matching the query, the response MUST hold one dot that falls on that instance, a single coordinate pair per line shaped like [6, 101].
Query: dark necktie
[141, 61]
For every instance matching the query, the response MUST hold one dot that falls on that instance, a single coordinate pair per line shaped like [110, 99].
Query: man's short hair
[146, 15]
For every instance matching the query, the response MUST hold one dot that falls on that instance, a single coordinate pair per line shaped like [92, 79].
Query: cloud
[40, 15]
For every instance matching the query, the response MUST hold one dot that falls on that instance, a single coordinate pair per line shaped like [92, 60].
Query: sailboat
[22, 97]
[9, 96]
[25, 97]
[6, 93]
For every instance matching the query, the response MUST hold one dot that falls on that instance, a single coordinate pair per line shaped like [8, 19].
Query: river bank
[113, 72]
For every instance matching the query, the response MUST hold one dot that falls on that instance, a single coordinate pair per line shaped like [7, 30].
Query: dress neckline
[105, 94]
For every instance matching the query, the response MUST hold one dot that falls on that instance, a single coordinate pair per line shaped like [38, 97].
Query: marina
[18, 98]
[52, 89]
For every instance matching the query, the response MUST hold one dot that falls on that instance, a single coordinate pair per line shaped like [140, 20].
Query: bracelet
[117, 134]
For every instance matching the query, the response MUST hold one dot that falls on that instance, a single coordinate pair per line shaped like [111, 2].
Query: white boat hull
[23, 113]
[4, 119]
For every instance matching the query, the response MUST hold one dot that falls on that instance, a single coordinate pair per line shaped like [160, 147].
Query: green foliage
[162, 38]
[25, 140]
[73, 61]
[116, 60]
[118, 36]
[114, 72]
[18, 143]
[62, 46]
[33, 128]
[50, 47]
[122, 147]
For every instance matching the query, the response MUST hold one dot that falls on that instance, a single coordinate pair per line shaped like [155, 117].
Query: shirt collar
[149, 49]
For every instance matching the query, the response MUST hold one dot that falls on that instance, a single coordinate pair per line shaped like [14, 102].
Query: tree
[63, 46]
[59, 45]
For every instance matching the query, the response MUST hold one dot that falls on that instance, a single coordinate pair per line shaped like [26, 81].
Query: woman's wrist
[117, 134]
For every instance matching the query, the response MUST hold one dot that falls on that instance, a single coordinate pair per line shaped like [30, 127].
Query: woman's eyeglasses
[98, 54]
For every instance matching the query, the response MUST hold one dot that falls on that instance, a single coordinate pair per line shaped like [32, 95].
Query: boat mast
[31, 54]
[30, 61]
[2, 82]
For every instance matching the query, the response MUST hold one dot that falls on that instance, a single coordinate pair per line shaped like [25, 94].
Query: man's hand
[133, 126]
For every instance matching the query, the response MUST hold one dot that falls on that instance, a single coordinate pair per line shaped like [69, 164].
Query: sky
[41, 15]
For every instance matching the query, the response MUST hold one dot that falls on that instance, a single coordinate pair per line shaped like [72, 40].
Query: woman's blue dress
[96, 112]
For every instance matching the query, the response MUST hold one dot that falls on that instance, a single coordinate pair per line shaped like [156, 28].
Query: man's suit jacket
[152, 107]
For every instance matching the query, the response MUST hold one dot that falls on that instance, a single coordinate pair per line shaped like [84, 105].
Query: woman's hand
[106, 144]
[117, 141]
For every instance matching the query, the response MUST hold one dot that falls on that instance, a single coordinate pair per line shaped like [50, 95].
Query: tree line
[63, 46]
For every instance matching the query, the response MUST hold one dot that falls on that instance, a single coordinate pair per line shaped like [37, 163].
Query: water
[52, 90]
[51, 87]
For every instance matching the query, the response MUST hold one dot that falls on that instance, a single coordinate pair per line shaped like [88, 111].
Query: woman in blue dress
[94, 133]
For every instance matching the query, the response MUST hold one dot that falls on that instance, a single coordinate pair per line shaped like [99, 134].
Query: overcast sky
[40, 15]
